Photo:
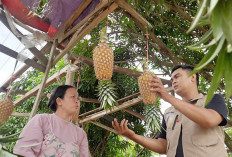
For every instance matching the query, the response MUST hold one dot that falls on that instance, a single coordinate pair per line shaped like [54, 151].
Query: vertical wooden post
[43, 83]
[70, 77]
[69, 81]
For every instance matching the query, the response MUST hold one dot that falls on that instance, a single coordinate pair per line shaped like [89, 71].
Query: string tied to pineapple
[78, 80]
[147, 36]
[108, 8]
[11, 80]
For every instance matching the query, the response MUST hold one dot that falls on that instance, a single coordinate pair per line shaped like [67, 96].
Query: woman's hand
[123, 129]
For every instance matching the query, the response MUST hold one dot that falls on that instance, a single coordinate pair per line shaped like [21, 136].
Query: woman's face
[70, 103]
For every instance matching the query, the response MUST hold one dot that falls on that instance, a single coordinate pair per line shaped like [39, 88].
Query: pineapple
[6, 109]
[149, 98]
[103, 61]
[144, 88]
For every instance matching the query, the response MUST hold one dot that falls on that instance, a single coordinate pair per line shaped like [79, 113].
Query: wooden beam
[16, 114]
[33, 50]
[128, 97]
[21, 92]
[80, 34]
[114, 109]
[92, 111]
[135, 114]
[96, 101]
[72, 18]
[104, 127]
[123, 4]
[34, 91]
[99, 7]
[43, 83]
[45, 49]
[21, 58]
[126, 71]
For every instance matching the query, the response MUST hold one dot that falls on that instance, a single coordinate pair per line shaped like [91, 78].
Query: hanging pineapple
[6, 109]
[103, 61]
[149, 98]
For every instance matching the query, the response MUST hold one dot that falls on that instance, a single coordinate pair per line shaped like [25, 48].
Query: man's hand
[123, 129]
[156, 85]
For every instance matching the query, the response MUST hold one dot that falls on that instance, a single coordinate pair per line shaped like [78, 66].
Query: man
[191, 129]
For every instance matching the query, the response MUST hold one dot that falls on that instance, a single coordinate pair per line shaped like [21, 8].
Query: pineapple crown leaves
[144, 64]
[107, 94]
[9, 138]
[152, 115]
[103, 35]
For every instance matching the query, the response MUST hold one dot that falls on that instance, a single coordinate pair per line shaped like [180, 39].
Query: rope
[78, 80]
[108, 8]
[147, 35]
[12, 77]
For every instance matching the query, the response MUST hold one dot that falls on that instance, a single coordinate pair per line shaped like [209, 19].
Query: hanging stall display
[152, 113]
[103, 60]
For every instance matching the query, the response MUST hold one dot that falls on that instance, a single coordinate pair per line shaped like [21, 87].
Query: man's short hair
[186, 67]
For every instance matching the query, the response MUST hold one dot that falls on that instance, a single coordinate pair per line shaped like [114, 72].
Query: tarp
[55, 14]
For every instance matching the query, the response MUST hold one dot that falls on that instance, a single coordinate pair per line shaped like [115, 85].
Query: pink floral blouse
[51, 136]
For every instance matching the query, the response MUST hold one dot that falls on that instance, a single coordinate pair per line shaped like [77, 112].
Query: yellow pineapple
[149, 99]
[144, 88]
[6, 109]
[103, 61]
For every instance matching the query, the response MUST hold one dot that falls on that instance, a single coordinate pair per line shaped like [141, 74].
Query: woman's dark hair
[58, 92]
[186, 67]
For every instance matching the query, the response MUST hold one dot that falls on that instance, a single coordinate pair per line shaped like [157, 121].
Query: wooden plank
[119, 69]
[114, 109]
[21, 58]
[104, 127]
[34, 91]
[72, 18]
[43, 83]
[80, 34]
[123, 4]
[33, 50]
[99, 7]
[16, 114]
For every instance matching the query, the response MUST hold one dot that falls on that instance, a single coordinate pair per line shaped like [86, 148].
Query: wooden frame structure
[60, 39]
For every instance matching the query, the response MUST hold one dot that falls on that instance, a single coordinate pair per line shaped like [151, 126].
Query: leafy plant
[217, 41]
[6, 139]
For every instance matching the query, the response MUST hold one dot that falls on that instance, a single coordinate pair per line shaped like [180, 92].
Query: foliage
[4, 139]
[217, 40]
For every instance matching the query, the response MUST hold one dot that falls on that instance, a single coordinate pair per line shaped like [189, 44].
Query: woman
[54, 134]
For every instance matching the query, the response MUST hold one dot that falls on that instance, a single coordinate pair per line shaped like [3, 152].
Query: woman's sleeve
[32, 134]
[84, 148]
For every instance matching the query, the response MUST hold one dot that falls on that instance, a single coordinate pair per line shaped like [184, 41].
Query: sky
[7, 63]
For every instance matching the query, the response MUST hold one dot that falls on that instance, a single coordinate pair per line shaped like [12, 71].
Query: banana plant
[217, 42]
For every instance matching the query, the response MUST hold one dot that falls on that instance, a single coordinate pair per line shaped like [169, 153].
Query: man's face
[180, 81]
